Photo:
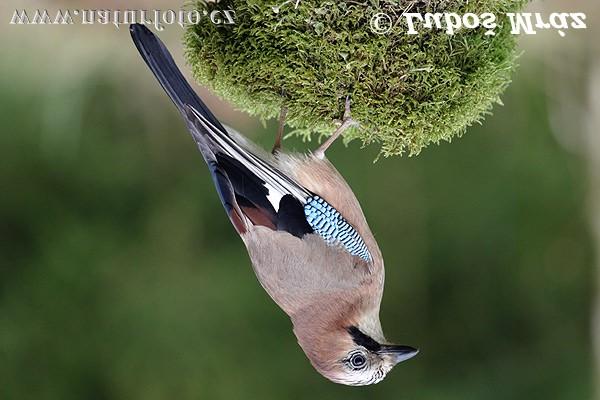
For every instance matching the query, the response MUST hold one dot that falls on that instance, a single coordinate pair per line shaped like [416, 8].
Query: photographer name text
[520, 23]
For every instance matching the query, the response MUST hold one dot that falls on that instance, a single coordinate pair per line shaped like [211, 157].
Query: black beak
[399, 353]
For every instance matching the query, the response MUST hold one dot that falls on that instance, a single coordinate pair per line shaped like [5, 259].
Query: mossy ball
[406, 91]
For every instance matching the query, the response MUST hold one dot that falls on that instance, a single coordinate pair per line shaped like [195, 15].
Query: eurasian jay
[305, 232]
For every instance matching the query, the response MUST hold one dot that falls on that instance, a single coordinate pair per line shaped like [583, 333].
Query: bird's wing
[298, 211]
[264, 194]
[253, 190]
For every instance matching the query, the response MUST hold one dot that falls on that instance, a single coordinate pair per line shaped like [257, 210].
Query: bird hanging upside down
[309, 242]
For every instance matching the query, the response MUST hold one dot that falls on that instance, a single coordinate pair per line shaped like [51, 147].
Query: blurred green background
[121, 278]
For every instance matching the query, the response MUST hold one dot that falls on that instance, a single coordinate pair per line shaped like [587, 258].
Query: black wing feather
[291, 217]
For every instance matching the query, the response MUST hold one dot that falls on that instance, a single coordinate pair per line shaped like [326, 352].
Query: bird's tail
[206, 130]
[160, 61]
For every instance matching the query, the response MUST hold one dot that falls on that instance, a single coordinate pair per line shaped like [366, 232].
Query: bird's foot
[347, 122]
[278, 138]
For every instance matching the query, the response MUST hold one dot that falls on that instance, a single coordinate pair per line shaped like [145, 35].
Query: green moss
[406, 91]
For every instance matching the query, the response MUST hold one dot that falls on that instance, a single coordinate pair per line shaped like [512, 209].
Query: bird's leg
[282, 115]
[347, 122]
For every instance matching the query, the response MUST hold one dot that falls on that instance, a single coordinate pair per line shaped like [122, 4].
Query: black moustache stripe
[363, 340]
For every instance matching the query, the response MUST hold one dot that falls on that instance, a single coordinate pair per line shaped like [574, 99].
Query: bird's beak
[399, 353]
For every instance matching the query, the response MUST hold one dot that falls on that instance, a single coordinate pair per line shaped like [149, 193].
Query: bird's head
[352, 357]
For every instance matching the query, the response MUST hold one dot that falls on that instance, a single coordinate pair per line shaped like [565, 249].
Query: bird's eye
[358, 361]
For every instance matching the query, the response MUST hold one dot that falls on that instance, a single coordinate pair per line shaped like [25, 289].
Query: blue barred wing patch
[331, 226]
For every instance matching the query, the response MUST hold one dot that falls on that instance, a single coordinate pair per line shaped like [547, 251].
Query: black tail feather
[160, 61]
